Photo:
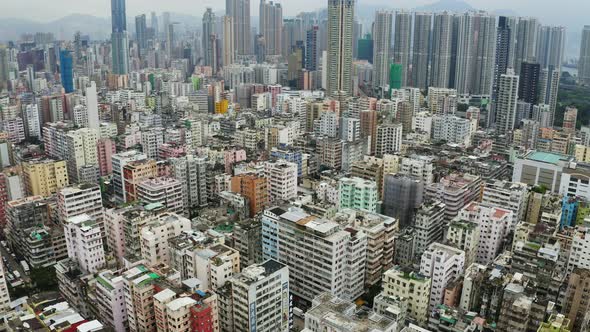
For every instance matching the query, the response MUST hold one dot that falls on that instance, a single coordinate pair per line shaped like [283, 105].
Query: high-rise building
[525, 34]
[442, 32]
[66, 69]
[576, 303]
[421, 50]
[271, 26]
[312, 56]
[141, 33]
[428, 225]
[528, 84]
[570, 117]
[381, 47]
[228, 41]
[476, 42]
[325, 257]
[92, 106]
[410, 286]
[389, 139]
[120, 160]
[165, 191]
[506, 103]
[207, 49]
[340, 36]
[548, 89]
[402, 41]
[79, 200]
[442, 264]
[551, 47]
[254, 188]
[84, 243]
[401, 196]
[239, 11]
[257, 299]
[119, 38]
[396, 72]
[503, 50]
[44, 177]
[4, 295]
[281, 180]
[357, 193]
[584, 60]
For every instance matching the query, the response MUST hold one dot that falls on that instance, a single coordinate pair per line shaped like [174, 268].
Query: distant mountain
[96, 27]
[65, 27]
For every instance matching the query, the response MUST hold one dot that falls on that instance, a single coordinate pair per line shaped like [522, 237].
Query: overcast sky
[549, 11]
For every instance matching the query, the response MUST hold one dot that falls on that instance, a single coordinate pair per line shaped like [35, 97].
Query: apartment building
[321, 254]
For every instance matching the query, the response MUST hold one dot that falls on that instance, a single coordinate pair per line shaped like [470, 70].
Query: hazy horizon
[45, 11]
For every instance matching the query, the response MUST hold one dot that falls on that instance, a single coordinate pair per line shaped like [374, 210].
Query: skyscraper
[271, 26]
[169, 40]
[141, 32]
[503, 38]
[421, 50]
[550, 46]
[154, 23]
[239, 11]
[442, 32]
[395, 76]
[402, 42]
[381, 46]
[311, 49]
[584, 61]
[228, 41]
[208, 30]
[66, 70]
[340, 22]
[119, 38]
[526, 41]
[476, 42]
[548, 88]
[506, 104]
[528, 88]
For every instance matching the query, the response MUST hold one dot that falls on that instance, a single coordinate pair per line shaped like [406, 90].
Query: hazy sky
[549, 11]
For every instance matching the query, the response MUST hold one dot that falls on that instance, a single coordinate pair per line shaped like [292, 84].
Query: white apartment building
[428, 225]
[33, 122]
[81, 199]
[81, 151]
[389, 139]
[580, 250]
[156, 233]
[464, 235]
[151, 139]
[442, 264]
[110, 290]
[203, 256]
[507, 195]
[165, 191]
[494, 225]
[451, 129]
[258, 298]
[84, 243]
[281, 180]
[418, 166]
[322, 255]
[422, 123]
